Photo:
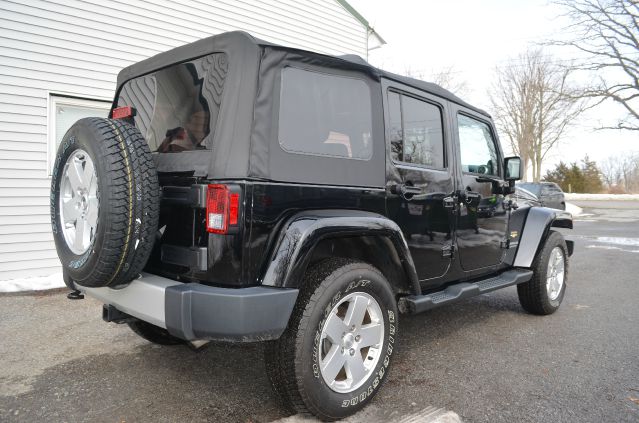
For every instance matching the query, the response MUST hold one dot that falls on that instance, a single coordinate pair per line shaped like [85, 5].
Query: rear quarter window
[325, 115]
[177, 107]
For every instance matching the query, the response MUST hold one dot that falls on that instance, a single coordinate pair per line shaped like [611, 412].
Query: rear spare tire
[104, 202]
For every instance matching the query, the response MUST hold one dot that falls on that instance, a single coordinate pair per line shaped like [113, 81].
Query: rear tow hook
[75, 295]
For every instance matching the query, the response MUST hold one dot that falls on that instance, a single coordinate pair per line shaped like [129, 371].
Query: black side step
[420, 303]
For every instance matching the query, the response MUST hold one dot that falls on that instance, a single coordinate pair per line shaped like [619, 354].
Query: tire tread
[128, 171]
[281, 357]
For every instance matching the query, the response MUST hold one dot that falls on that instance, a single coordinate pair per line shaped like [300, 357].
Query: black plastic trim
[193, 196]
[290, 258]
[194, 311]
[191, 257]
[536, 228]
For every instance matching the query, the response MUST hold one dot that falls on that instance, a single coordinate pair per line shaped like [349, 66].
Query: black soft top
[245, 143]
[245, 44]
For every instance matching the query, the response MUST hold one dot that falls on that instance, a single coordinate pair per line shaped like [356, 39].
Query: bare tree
[446, 77]
[611, 172]
[621, 173]
[630, 172]
[533, 104]
[607, 32]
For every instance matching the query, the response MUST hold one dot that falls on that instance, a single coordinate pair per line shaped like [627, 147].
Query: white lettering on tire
[382, 370]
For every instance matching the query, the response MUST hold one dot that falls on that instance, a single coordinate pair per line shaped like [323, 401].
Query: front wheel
[336, 351]
[545, 291]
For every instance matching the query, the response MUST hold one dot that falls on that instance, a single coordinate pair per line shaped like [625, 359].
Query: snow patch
[32, 284]
[602, 197]
[633, 242]
[573, 209]
[609, 247]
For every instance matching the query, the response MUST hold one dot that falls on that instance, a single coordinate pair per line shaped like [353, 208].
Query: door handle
[405, 190]
[409, 189]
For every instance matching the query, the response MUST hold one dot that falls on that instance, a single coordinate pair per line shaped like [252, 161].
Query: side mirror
[512, 166]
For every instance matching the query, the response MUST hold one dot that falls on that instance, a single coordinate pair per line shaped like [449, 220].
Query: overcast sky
[476, 37]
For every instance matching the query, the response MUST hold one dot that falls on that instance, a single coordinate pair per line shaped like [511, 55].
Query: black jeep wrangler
[243, 191]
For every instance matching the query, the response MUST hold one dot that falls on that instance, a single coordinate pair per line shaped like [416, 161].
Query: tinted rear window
[326, 115]
[177, 107]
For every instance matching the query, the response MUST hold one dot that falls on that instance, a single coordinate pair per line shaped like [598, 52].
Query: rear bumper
[194, 311]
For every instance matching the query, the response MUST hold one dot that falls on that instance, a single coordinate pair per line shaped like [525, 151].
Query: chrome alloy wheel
[555, 273]
[79, 202]
[351, 342]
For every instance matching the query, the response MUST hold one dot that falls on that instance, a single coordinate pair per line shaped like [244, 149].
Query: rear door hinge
[450, 202]
[448, 251]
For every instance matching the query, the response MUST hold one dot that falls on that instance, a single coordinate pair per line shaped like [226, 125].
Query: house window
[64, 112]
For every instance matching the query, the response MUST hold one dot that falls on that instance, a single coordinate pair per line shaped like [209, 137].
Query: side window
[325, 115]
[477, 146]
[416, 133]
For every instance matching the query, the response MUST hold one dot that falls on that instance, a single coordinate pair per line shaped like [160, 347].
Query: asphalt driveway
[483, 358]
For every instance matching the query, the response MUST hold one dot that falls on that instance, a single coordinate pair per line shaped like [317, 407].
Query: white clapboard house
[58, 63]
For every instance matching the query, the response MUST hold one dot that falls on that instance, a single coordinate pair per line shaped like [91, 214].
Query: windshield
[177, 107]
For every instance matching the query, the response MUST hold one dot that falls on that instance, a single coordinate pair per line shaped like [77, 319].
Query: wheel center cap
[348, 340]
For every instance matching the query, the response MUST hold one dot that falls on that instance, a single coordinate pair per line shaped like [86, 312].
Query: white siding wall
[77, 47]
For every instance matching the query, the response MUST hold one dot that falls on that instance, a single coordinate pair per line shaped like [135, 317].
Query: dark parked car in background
[523, 197]
[548, 193]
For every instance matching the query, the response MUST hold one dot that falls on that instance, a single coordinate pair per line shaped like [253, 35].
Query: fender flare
[535, 230]
[302, 232]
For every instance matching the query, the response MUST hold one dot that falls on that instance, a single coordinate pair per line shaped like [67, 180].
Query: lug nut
[352, 351]
[357, 338]
[342, 350]
[352, 328]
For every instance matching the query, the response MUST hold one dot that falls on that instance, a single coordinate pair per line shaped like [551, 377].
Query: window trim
[420, 166]
[53, 100]
[494, 139]
[322, 71]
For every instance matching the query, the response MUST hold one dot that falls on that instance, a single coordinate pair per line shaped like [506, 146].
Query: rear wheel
[544, 293]
[336, 351]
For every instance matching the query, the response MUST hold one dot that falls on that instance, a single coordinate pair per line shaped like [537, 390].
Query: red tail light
[234, 208]
[222, 209]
